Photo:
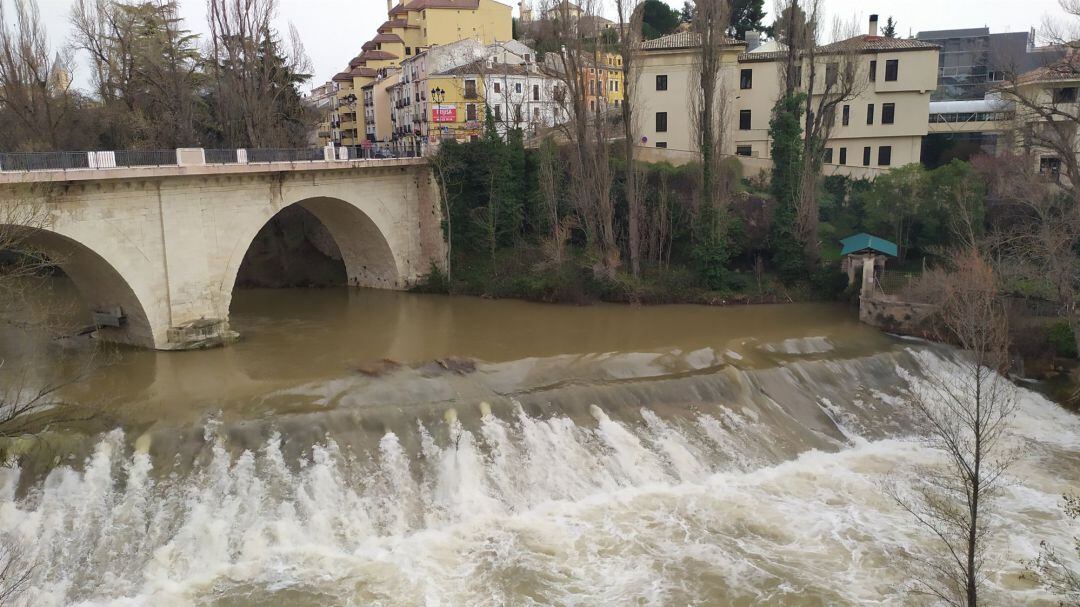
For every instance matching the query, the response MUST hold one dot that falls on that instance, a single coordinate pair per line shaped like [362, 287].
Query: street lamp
[438, 95]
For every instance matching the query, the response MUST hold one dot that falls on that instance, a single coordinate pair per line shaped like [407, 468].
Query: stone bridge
[155, 250]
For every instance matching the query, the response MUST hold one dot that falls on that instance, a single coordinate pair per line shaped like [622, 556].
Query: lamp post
[438, 95]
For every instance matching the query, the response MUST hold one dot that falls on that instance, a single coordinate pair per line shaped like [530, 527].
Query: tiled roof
[342, 76]
[376, 56]
[369, 46]
[481, 66]
[859, 44]
[393, 23]
[679, 40]
[364, 72]
[419, 5]
[387, 38]
[1067, 68]
[356, 61]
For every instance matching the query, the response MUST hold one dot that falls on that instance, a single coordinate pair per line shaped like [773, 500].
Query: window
[888, 113]
[746, 79]
[847, 114]
[884, 155]
[470, 89]
[498, 87]
[828, 156]
[536, 92]
[831, 71]
[1050, 166]
[517, 87]
[661, 144]
[892, 67]
[592, 87]
[744, 120]
[661, 82]
[592, 104]
[616, 82]
[498, 113]
[661, 122]
[798, 75]
[518, 118]
[470, 112]
[536, 113]
[843, 155]
[869, 113]
[408, 50]
[866, 156]
[1065, 95]
[743, 150]
[873, 71]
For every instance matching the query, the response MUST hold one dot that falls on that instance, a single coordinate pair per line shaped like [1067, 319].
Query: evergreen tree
[785, 130]
[747, 15]
[889, 31]
[657, 19]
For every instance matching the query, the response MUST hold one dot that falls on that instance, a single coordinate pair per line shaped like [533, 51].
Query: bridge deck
[150, 172]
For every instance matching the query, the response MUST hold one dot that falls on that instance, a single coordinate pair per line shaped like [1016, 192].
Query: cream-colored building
[665, 76]
[881, 126]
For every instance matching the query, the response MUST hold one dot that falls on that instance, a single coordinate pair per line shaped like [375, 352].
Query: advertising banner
[444, 113]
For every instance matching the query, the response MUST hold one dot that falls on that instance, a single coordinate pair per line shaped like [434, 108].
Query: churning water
[670, 478]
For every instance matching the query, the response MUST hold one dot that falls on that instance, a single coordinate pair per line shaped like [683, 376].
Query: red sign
[444, 113]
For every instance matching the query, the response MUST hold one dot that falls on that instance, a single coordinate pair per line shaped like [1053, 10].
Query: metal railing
[90, 160]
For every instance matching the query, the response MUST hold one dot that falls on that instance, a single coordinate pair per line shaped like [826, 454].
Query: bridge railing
[112, 159]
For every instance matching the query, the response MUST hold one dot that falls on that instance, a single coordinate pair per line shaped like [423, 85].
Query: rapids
[748, 471]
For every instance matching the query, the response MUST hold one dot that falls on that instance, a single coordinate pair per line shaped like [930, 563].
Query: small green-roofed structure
[866, 243]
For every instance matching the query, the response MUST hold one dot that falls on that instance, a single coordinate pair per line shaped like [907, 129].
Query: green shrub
[435, 281]
[1062, 340]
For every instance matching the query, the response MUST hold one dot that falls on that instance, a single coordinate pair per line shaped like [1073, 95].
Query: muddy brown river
[374, 448]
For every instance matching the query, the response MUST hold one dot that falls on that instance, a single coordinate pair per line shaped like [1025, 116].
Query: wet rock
[443, 366]
[378, 368]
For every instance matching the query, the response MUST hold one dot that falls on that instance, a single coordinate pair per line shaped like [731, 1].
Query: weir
[381, 448]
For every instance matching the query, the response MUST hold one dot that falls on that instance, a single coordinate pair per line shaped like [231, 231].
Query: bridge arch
[365, 249]
[103, 288]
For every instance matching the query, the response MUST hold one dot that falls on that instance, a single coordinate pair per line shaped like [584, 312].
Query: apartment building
[968, 116]
[880, 127]
[664, 80]
[444, 93]
[412, 27]
[323, 99]
[1046, 106]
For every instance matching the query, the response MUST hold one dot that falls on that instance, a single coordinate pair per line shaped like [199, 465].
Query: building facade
[880, 125]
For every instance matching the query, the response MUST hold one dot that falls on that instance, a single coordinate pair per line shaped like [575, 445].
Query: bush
[828, 282]
[435, 281]
[1062, 340]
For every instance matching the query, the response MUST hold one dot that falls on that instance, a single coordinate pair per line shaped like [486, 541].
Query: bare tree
[1054, 571]
[146, 68]
[965, 412]
[256, 100]
[573, 30]
[709, 107]
[630, 14]
[34, 81]
[1039, 235]
[829, 76]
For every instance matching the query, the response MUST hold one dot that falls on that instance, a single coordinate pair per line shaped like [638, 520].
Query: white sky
[333, 30]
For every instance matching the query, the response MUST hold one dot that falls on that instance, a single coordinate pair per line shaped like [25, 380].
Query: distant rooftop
[957, 33]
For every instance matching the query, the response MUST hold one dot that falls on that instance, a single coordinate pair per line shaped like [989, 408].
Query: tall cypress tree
[785, 130]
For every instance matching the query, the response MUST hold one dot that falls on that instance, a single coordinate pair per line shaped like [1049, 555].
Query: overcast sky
[333, 30]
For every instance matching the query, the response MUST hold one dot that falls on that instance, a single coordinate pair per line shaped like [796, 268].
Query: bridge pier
[155, 251]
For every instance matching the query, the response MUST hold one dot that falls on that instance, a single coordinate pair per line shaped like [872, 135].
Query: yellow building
[412, 27]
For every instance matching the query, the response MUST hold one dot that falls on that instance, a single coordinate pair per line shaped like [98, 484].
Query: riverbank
[521, 273]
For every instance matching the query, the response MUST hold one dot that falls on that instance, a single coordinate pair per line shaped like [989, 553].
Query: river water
[372, 448]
